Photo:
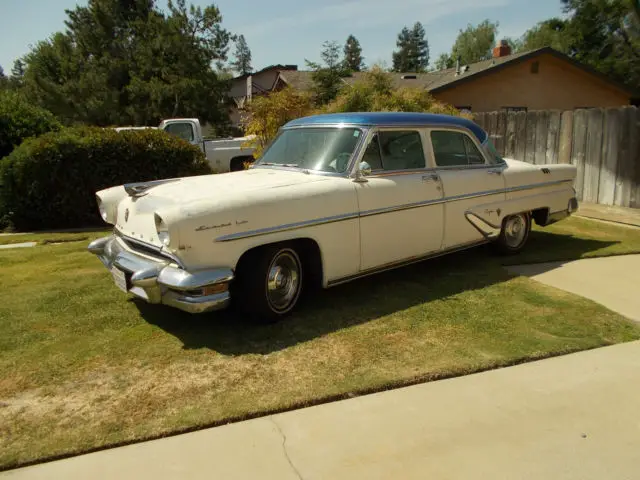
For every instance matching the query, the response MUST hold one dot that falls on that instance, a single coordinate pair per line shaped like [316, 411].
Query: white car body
[176, 236]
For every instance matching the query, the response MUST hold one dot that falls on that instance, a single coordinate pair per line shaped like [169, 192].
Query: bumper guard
[158, 281]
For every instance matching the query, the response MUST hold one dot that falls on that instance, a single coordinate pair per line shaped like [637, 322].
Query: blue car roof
[368, 119]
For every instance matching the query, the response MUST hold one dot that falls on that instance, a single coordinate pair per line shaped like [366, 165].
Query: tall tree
[412, 54]
[3, 78]
[549, 33]
[242, 62]
[473, 44]
[127, 62]
[18, 69]
[353, 54]
[420, 47]
[327, 76]
[402, 56]
[604, 35]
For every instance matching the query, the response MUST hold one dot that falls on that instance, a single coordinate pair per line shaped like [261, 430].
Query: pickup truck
[224, 155]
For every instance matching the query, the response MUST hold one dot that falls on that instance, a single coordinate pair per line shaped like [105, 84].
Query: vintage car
[334, 198]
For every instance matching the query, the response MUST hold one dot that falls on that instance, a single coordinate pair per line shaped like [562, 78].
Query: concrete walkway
[572, 417]
[607, 213]
[611, 281]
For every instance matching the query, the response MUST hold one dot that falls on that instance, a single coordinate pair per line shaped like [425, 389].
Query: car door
[400, 201]
[468, 180]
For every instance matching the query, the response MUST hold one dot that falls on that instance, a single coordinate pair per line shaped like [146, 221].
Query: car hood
[191, 189]
[181, 199]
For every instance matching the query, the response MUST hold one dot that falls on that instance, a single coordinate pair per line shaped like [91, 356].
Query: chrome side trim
[403, 263]
[379, 211]
[284, 228]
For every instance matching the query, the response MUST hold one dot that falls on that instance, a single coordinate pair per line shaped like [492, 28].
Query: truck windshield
[326, 149]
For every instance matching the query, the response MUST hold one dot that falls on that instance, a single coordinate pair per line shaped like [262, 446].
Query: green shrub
[19, 120]
[50, 181]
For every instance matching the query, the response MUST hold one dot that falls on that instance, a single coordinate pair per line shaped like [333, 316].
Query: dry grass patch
[82, 367]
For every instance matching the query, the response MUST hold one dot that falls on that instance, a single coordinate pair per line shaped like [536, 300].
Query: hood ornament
[126, 215]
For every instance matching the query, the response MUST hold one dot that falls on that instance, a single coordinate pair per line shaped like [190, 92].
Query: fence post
[553, 137]
[593, 159]
[521, 136]
[542, 129]
[566, 134]
[610, 156]
[532, 127]
[510, 136]
[579, 148]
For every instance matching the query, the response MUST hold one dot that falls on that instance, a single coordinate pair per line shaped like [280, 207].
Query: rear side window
[454, 149]
[395, 150]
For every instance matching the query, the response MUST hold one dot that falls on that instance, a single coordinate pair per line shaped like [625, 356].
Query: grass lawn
[83, 367]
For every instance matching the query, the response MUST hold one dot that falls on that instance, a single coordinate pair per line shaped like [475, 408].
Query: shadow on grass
[354, 303]
[552, 247]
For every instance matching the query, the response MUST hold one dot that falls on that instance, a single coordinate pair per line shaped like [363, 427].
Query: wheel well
[540, 216]
[237, 163]
[310, 256]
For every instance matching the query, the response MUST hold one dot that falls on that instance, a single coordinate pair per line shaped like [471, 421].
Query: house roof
[443, 79]
[389, 119]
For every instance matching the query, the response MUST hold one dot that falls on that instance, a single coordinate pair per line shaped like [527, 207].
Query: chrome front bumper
[160, 281]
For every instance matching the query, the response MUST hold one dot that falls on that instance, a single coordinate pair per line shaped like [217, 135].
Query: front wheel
[515, 233]
[269, 282]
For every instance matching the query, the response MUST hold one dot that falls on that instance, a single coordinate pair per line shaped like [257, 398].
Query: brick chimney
[502, 49]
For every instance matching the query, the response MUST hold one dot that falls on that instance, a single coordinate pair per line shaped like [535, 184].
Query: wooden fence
[604, 144]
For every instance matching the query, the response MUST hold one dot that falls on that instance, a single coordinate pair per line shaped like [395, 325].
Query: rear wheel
[269, 282]
[515, 233]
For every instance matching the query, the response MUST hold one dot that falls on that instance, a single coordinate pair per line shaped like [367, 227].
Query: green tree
[127, 62]
[242, 62]
[549, 33]
[473, 44]
[353, 55]
[412, 54]
[604, 35]
[327, 76]
[375, 93]
[3, 78]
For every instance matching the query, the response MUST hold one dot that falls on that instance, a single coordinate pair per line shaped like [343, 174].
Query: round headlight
[102, 209]
[163, 230]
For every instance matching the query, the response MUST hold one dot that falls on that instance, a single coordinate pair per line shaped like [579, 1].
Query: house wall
[557, 85]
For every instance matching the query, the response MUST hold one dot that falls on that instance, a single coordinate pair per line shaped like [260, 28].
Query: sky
[292, 31]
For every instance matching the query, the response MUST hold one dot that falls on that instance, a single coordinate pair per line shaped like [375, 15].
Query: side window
[449, 149]
[454, 149]
[182, 130]
[401, 150]
[473, 154]
[372, 154]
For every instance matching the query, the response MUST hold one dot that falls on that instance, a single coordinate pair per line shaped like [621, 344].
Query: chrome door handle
[434, 177]
[494, 172]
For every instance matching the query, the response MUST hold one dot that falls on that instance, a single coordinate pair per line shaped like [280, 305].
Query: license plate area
[120, 279]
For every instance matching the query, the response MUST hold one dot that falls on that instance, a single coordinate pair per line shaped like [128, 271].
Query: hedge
[19, 120]
[50, 181]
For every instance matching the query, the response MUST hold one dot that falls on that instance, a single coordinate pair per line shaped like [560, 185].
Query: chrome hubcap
[283, 280]
[515, 230]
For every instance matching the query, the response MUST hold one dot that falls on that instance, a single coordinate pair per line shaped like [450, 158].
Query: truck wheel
[237, 164]
[268, 282]
[514, 234]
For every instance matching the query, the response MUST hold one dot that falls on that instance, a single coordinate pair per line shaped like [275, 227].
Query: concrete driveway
[611, 281]
[572, 417]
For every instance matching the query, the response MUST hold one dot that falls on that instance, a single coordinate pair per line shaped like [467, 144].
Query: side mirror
[365, 169]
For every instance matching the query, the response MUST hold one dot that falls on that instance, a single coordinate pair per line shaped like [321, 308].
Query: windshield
[323, 149]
